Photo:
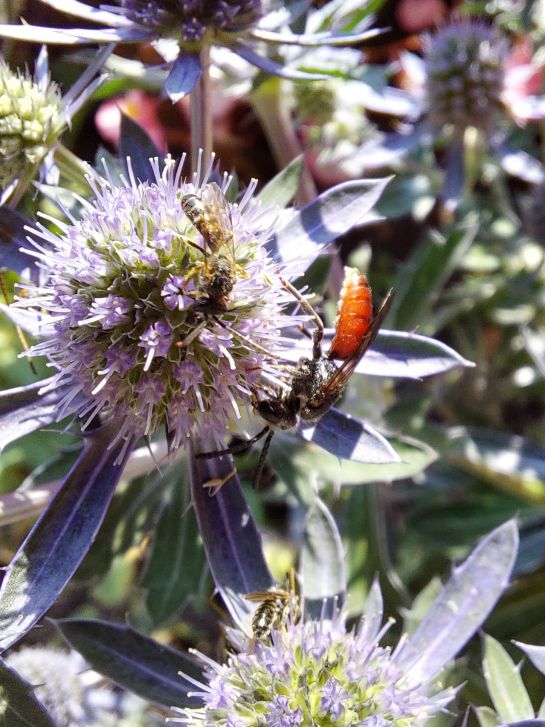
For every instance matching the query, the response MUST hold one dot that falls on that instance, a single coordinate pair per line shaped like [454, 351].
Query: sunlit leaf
[57, 543]
[505, 685]
[184, 74]
[322, 560]
[282, 188]
[536, 654]
[462, 606]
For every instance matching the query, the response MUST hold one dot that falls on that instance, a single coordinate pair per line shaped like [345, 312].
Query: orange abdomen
[354, 314]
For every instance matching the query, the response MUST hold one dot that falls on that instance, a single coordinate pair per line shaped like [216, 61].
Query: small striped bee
[275, 606]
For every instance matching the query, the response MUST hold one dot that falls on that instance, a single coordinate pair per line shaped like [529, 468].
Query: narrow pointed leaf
[24, 410]
[133, 661]
[280, 191]
[88, 12]
[525, 723]
[184, 74]
[269, 66]
[18, 705]
[486, 717]
[322, 560]
[536, 654]
[396, 354]
[57, 543]
[462, 605]
[313, 40]
[323, 220]
[13, 236]
[40, 34]
[136, 143]
[350, 438]
[505, 685]
[230, 536]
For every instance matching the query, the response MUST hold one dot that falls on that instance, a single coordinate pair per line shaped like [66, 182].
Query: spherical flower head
[191, 20]
[465, 64]
[314, 673]
[156, 318]
[30, 119]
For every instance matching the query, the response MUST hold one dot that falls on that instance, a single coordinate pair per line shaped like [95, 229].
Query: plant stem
[270, 106]
[201, 114]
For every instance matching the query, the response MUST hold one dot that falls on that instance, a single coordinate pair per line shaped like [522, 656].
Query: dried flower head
[160, 304]
[315, 673]
[30, 122]
[465, 69]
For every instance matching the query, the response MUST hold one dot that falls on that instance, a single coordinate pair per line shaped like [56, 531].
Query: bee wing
[261, 596]
[345, 371]
[220, 211]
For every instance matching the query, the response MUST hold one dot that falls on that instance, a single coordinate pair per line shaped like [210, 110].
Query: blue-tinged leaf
[349, 438]
[276, 69]
[184, 74]
[24, 410]
[504, 682]
[322, 561]
[395, 354]
[13, 236]
[524, 723]
[455, 177]
[315, 40]
[57, 543]
[280, 191]
[136, 143]
[325, 219]
[519, 163]
[462, 606]
[18, 705]
[230, 536]
[536, 654]
[133, 661]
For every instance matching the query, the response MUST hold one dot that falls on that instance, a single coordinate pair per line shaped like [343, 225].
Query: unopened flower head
[314, 674]
[147, 321]
[465, 68]
[191, 20]
[30, 122]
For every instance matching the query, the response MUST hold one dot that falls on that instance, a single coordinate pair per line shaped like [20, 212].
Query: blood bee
[317, 383]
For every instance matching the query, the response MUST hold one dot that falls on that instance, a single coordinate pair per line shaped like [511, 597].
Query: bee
[318, 382]
[275, 605]
[210, 214]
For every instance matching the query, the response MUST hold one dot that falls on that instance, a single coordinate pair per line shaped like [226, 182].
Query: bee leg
[184, 343]
[216, 483]
[237, 448]
[263, 458]
[319, 332]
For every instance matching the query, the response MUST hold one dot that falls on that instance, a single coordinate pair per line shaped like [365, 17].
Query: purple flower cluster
[123, 316]
[315, 673]
[194, 18]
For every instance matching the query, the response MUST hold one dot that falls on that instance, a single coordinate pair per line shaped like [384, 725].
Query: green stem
[201, 114]
[270, 106]
[70, 165]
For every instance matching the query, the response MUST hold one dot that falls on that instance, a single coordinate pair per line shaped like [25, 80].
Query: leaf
[322, 561]
[136, 143]
[230, 536]
[462, 606]
[23, 410]
[422, 277]
[455, 178]
[505, 685]
[18, 705]
[323, 220]
[55, 546]
[184, 74]
[536, 654]
[396, 354]
[13, 236]
[176, 561]
[280, 191]
[349, 438]
[486, 717]
[270, 66]
[133, 661]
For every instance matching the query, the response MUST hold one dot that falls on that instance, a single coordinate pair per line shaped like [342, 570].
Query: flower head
[315, 673]
[153, 317]
[30, 116]
[33, 115]
[465, 75]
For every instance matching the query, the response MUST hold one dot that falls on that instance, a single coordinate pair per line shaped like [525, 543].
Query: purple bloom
[135, 338]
